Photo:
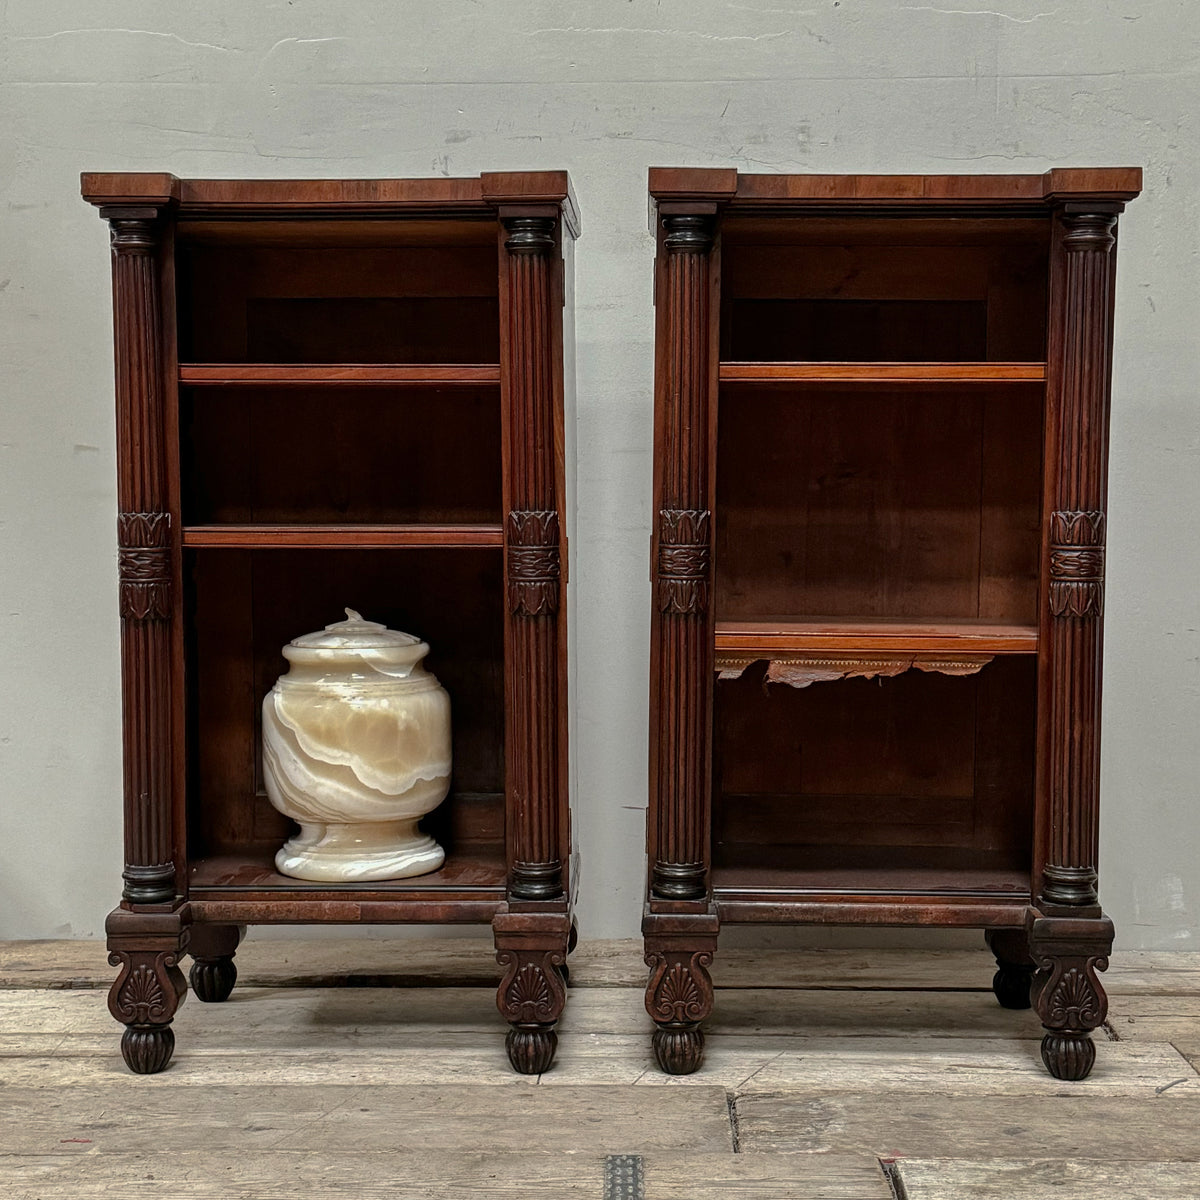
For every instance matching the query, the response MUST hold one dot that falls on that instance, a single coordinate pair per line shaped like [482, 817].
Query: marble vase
[356, 749]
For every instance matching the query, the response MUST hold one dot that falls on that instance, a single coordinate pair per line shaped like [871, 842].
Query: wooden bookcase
[332, 393]
[881, 414]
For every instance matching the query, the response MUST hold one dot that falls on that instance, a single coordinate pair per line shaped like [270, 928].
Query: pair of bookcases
[879, 487]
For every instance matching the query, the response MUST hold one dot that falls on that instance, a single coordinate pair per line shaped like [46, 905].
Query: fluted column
[1076, 553]
[682, 571]
[144, 555]
[532, 558]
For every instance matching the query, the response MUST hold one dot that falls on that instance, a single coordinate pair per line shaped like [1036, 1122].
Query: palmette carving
[684, 560]
[149, 988]
[1067, 992]
[679, 992]
[533, 563]
[532, 991]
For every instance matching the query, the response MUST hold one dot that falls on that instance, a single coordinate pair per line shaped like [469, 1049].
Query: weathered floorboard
[247, 1119]
[910, 1124]
[282, 1175]
[1025, 1179]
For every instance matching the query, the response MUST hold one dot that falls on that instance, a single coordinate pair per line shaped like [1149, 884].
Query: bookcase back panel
[383, 455]
[263, 303]
[921, 769]
[244, 606]
[815, 290]
[844, 501]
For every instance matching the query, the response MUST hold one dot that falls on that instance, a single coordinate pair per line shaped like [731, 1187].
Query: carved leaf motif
[1076, 598]
[137, 530]
[531, 991]
[144, 565]
[142, 996]
[683, 560]
[681, 992]
[533, 563]
[678, 992]
[1074, 1003]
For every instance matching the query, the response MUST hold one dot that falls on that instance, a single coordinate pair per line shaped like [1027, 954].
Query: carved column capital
[533, 563]
[1077, 564]
[1086, 232]
[529, 235]
[1076, 887]
[688, 233]
[684, 560]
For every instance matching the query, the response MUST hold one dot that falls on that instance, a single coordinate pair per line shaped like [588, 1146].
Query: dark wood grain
[869, 373]
[369, 411]
[535, 700]
[227, 374]
[899, 635]
[892, 523]
[316, 537]
[1116, 183]
[1073, 565]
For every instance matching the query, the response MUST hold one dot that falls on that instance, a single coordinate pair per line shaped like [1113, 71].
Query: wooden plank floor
[830, 1075]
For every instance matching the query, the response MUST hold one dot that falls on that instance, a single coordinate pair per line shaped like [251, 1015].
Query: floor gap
[891, 1172]
[734, 1132]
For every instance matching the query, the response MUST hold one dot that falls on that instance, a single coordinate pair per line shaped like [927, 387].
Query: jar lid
[355, 634]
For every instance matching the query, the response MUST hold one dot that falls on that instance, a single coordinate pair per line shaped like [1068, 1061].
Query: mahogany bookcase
[881, 412]
[339, 393]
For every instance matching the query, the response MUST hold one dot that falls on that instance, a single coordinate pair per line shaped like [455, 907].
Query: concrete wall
[605, 89]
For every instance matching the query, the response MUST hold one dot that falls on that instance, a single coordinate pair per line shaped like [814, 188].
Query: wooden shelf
[882, 372]
[846, 635]
[246, 887]
[481, 866]
[317, 374]
[359, 537]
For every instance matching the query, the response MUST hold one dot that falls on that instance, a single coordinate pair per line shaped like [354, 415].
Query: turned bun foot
[531, 1051]
[147, 1048]
[1068, 1055]
[1011, 985]
[679, 1051]
[212, 979]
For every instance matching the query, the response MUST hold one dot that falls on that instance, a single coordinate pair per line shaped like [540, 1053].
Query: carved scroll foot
[1068, 1055]
[144, 997]
[531, 998]
[214, 972]
[212, 979]
[1011, 984]
[531, 1048]
[678, 997]
[1014, 967]
[147, 1048]
[149, 987]
[678, 1049]
[1069, 953]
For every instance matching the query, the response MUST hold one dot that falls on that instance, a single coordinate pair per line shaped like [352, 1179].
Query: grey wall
[309, 88]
